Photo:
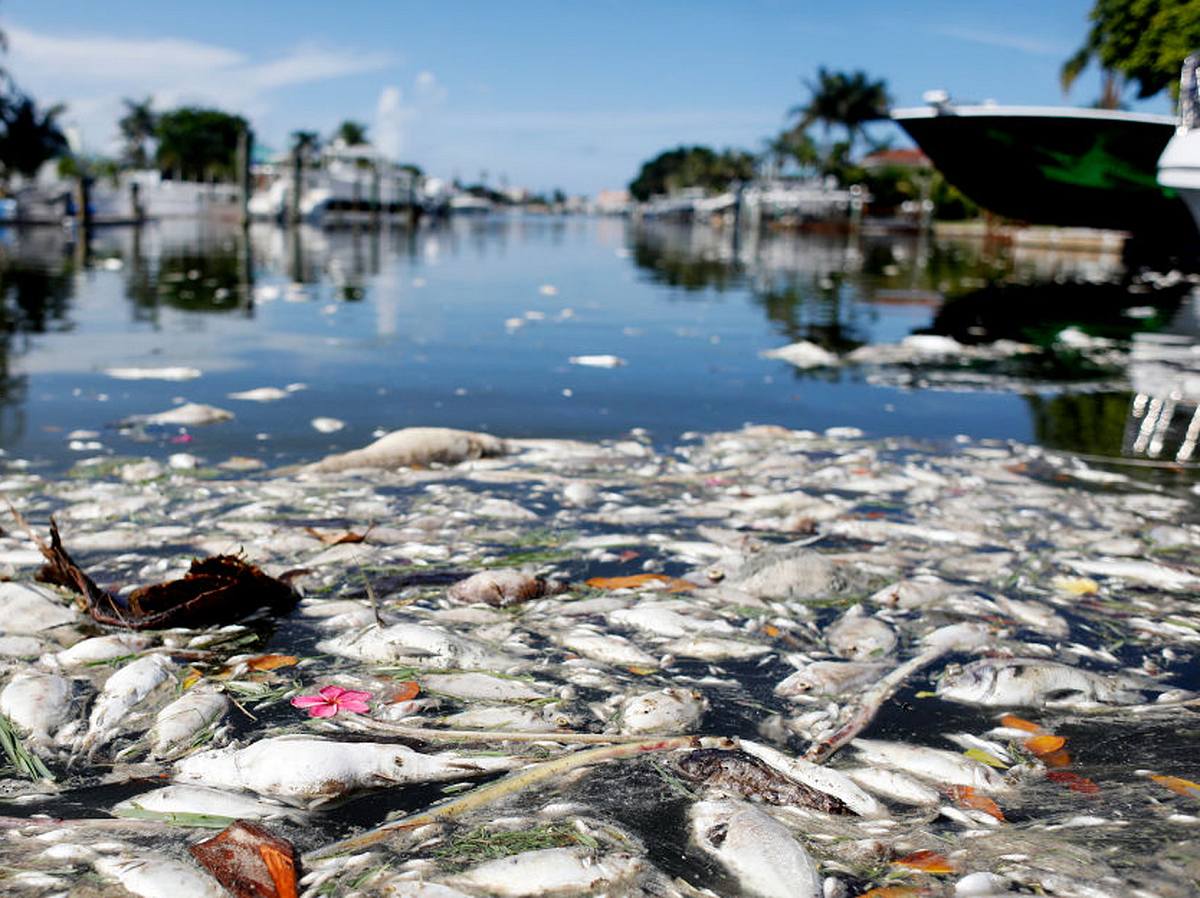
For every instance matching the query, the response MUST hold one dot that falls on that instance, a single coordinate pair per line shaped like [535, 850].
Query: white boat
[1179, 165]
[346, 184]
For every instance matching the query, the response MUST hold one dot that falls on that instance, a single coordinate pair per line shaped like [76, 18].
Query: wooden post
[135, 200]
[297, 186]
[83, 205]
[245, 150]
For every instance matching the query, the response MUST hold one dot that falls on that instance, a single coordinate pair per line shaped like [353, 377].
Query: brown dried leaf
[249, 861]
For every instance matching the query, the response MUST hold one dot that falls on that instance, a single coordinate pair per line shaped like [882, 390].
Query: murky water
[473, 324]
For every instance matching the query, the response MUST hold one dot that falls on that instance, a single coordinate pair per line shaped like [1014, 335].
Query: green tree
[696, 166]
[351, 133]
[137, 126]
[794, 146]
[1142, 42]
[843, 100]
[198, 144]
[31, 136]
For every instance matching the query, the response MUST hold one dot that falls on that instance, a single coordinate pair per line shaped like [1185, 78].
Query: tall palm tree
[351, 133]
[846, 100]
[31, 136]
[137, 126]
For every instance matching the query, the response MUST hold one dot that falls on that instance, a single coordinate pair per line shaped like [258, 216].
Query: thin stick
[870, 704]
[510, 785]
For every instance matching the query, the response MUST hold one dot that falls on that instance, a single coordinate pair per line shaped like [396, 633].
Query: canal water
[474, 324]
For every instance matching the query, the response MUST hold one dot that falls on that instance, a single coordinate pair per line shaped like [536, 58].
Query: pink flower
[331, 699]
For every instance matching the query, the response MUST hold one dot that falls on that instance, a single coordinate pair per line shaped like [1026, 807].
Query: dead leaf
[1057, 759]
[1073, 781]
[271, 662]
[249, 861]
[1012, 721]
[983, 757]
[633, 581]
[894, 892]
[336, 539]
[1045, 744]
[191, 677]
[1178, 785]
[967, 797]
[926, 861]
[406, 691]
[215, 590]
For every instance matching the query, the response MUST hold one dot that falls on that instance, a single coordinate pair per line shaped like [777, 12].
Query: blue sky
[542, 94]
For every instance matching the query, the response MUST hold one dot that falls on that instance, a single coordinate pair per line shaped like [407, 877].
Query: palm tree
[351, 133]
[843, 100]
[304, 145]
[31, 136]
[794, 145]
[137, 126]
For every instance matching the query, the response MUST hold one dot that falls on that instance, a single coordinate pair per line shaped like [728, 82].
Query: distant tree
[845, 100]
[794, 146]
[306, 143]
[137, 126]
[351, 133]
[1142, 42]
[198, 144]
[696, 166]
[31, 136]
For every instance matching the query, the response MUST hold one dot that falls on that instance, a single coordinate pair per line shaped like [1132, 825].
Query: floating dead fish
[415, 644]
[477, 685]
[178, 724]
[757, 850]
[829, 678]
[190, 414]
[31, 609]
[659, 619]
[151, 875]
[261, 394]
[416, 446]
[858, 637]
[501, 588]
[894, 785]
[931, 763]
[822, 778]
[39, 703]
[667, 710]
[714, 648]
[745, 776]
[185, 799]
[609, 648]
[122, 692]
[550, 871]
[304, 769]
[1033, 682]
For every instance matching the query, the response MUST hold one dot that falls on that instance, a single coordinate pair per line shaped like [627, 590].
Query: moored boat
[1179, 166]
[1060, 166]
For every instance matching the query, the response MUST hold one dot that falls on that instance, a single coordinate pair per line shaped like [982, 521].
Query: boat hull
[1072, 168]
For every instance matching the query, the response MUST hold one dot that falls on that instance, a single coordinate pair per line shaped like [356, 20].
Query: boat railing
[1189, 94]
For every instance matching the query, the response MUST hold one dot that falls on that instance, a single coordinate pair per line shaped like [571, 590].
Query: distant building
[612, 202]
[912, 159]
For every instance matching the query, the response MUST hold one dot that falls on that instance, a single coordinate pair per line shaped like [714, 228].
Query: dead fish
[123, 691]
[667, 710]
[894, 785]
[501, 588]
[300, 768]
[416, 446]
[756, 849]
[179, 722]
[38, 703]
[155, 876]
[98, 649]
[660, 619]
[186, 799]
[715, 648]
[1033, 682]
[415, 644]
[817, 776]
[858, 636]
[829, 678]
[608, 648]
[550, 871]
[748, 777]
[931, 763]
[484, 686]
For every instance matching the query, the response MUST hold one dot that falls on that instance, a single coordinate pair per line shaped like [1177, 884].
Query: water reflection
[473, 324]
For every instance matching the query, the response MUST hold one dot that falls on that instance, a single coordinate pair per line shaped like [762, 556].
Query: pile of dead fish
[764, 663]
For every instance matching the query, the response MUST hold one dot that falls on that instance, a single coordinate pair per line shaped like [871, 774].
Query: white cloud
[92, 72]
[396, 119]
[1024, 43]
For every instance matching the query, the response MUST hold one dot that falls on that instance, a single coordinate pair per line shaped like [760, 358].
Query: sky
[535, 93]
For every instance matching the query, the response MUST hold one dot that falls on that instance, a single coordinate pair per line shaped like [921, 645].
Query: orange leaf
[641, 671]
[406, 691]
[282, 869]
[1045, 745]
[271, 662]
[191, 678]
[633, 581]
[894, 892]
[926, 861]
[1073, 781]
[1057, 759]
[966, 797]
[1178, 785]
[1019, 723]
[771, 630]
